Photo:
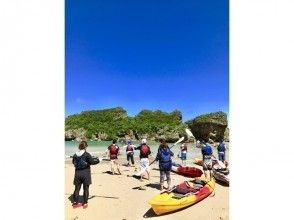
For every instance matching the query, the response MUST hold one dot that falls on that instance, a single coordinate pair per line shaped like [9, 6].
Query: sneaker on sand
[76, 205]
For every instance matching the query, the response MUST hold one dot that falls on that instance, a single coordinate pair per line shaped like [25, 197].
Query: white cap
[144, 141]
[182, 145]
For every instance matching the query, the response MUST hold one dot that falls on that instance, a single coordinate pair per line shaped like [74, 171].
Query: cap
[144, 141]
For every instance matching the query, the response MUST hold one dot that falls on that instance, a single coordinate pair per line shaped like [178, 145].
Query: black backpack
[80, 162]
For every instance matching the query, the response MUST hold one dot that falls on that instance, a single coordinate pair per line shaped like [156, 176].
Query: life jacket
[144, 150]
[130, 147]
[221, 147]
[207, 150]
[165, 161]
[80, 162]
[113, 149]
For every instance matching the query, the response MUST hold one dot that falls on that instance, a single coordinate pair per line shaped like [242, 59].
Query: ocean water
[97, 148]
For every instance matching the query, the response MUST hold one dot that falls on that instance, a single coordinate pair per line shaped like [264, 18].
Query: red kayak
[186, 171]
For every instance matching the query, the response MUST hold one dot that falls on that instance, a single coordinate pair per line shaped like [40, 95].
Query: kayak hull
[169, 202]
[186, 171]
[223, 178]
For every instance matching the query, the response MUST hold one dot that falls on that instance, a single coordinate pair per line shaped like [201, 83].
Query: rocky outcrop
[130, 135]
[114, 123]
[209, 127]
[77, 134]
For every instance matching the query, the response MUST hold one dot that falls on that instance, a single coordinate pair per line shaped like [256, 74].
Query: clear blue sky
[147, 55]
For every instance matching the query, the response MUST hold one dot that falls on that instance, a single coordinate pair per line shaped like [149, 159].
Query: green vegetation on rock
[115, 123]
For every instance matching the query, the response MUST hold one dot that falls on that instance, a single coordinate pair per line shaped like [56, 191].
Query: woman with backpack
[113, 150]
[82, 161]
[164, 155]
[130, 152]
[144, 161]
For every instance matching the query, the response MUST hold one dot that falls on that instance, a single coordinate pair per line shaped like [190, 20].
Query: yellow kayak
[182, 195]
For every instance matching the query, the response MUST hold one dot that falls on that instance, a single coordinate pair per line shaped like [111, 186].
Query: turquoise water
[99, 147]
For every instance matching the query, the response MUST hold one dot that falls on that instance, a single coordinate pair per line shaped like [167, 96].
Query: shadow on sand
[150, 213]
[153, 185]
[81, 199]
[110, 173]
[222, 183]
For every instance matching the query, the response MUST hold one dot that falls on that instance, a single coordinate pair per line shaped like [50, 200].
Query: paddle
[180, 140]
[189, 133]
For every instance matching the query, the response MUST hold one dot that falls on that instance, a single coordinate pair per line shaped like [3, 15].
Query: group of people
[82, 161]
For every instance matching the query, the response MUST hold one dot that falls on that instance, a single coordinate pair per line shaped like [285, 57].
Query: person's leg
[132, 159]
[117, 166]
[209, 166]
[221, 157]
[142, 169]
[210, 175]
[111, 166]
[204, 166]
[148, 174]
[162, 174]
[76, 193]
[184, 158]
[168, 179]
[147, 168]
[128, 159]
[86, 193]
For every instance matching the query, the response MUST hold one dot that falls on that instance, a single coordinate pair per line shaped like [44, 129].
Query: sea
[98, 148]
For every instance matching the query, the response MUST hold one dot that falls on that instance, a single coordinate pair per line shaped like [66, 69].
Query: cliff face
[210, 126]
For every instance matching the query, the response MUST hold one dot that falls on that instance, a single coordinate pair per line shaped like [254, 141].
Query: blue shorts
[221, 156]
[184, 156]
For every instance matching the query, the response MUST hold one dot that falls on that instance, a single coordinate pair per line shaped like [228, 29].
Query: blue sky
[147, 55]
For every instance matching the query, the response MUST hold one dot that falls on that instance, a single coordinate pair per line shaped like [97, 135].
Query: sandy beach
[118, 197]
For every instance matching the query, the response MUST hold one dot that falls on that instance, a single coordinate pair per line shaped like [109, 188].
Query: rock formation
[210, 126]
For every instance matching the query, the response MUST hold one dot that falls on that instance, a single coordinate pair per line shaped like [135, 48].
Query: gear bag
[80, 162]
[130, 147]
[165, 162]
[113, 149]
[206, 150]
[221, 147]
[144, 151]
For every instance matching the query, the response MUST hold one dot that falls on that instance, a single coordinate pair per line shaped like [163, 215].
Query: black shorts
[82, 177]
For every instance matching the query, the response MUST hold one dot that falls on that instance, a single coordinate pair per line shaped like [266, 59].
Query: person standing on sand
[113, 150]
[207, 158]
[82, 161]
[165, 163]
[130, 152]
[221, 149]
[144, 161]
[184, 149]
